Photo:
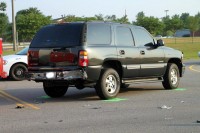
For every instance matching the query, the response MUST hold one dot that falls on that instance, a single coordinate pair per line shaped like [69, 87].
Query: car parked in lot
[15, 65]
[103, 55]
[199, 53]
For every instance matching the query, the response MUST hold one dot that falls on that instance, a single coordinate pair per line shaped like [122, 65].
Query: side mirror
[160, 42]
[149, 45]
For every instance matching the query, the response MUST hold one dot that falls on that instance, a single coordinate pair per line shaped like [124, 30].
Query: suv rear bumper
[57, 75]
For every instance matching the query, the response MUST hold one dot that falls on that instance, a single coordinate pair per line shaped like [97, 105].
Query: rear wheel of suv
[108, 85]
[171, 77]
[53, 90]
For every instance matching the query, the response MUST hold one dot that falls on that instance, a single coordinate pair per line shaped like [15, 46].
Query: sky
[88, 8]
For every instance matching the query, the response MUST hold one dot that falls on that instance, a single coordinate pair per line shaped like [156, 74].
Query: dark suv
[103, 55]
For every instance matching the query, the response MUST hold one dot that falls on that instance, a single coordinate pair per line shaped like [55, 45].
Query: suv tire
[171, 77]
[54, 91]
[108, 85]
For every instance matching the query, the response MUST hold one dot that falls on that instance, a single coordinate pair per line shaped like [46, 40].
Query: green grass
[9, 52]
[190, 50]
[188, 45]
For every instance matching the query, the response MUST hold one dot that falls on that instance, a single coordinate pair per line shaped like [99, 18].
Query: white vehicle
[199, 53]
[15, 66]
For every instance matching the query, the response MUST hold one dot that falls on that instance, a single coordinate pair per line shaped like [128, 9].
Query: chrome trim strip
[99, 66]
[147, 66]
[133, 66]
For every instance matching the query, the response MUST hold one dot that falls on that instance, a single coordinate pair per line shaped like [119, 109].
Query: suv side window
[142, 37]
[99, 34]
[124, 36]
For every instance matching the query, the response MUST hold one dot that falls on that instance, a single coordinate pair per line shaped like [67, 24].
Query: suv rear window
[60, 35]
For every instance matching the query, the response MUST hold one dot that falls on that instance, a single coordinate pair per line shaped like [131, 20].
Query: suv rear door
[128, 54]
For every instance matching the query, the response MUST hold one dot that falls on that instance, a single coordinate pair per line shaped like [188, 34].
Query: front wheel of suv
[171, 77]
[108, 85]
[53, 90]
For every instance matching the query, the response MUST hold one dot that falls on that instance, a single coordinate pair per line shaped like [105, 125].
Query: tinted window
[142, 37]
[98, 34]
[63, 35]
[124, 36]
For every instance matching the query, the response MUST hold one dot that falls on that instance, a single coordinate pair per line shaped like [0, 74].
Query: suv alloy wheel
[108, 85]
[171, 77]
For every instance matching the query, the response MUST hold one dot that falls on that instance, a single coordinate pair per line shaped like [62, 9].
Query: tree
[3, 20]
[29, 21]
[112, 18]
[193, 24]
[3, 24]
[73, 18]
[184, 17]
[99, 17]
[3, 6]
[175, 23]
[152, 24]
[123, 19]
[198, 15]
[140, 16]
[172, 24]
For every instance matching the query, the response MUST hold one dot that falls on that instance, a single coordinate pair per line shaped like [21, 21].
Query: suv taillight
[83, 58]
[33, 58]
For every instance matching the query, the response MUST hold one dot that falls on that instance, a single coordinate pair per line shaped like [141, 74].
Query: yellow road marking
[5, 97]
[4, 94]
[192, 69]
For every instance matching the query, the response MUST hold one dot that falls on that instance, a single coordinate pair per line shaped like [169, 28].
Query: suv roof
[65, 34]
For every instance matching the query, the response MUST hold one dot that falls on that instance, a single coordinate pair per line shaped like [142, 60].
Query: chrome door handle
[122, 52]
[142, 52]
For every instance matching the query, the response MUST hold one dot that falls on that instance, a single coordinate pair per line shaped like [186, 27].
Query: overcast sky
[56, 8]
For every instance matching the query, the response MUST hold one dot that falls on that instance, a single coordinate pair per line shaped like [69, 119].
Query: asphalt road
[142, 108]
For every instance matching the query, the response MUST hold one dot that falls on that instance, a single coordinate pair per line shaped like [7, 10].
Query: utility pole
[125, 16]
[14, 27]
[166, 12]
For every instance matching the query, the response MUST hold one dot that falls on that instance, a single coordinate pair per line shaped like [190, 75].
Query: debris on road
[182, 101]
[19, 106]
[60, 121]
[86, 105]
[89, 106]
[165, 107]
[38, 102]
[198, 121]
[168, 118]
[96, 108]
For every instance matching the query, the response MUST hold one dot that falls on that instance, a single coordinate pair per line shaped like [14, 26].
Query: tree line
[29, 21]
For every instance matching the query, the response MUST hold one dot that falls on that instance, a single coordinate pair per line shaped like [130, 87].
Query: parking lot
[142, 108]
